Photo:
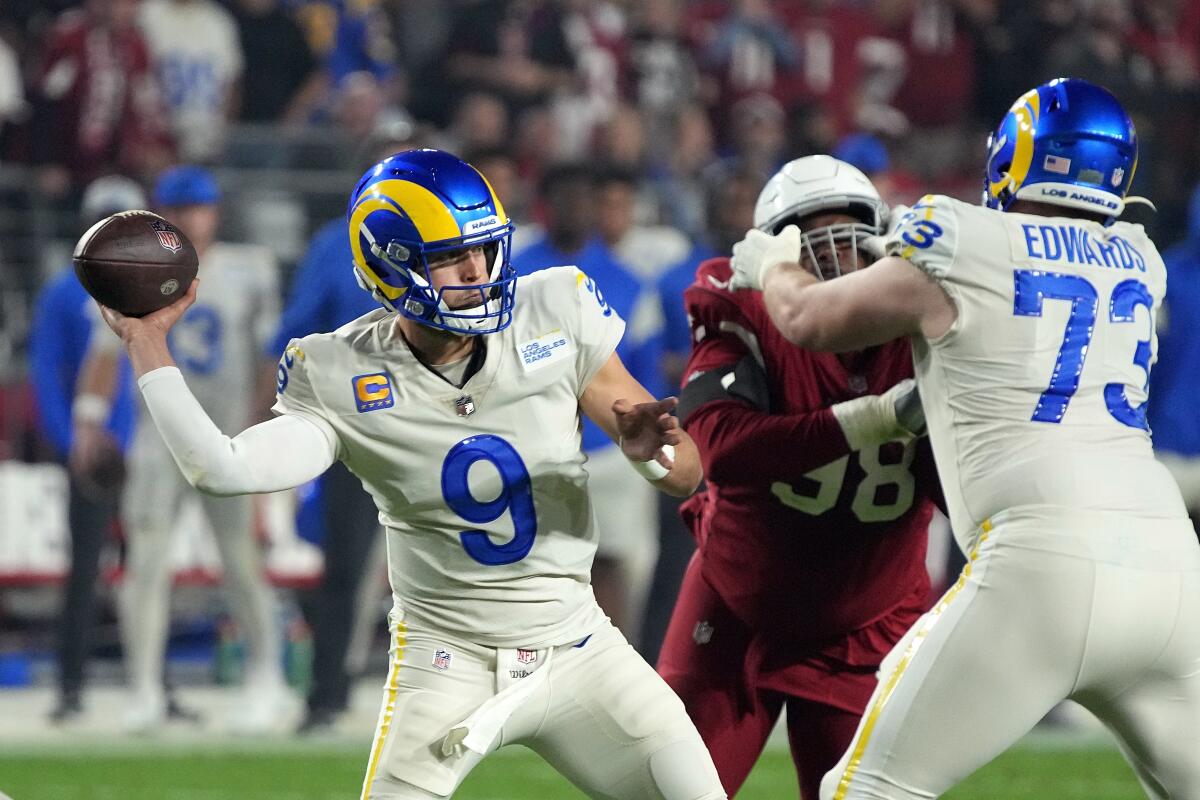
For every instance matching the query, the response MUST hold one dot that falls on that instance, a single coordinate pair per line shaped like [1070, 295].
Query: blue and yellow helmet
[1067, 142]
[418, 203]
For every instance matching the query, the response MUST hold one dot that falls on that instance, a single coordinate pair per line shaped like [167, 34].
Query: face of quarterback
[465, 267]
[829, 251]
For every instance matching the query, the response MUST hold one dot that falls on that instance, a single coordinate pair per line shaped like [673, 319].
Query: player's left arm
[891, 298]
[642, 425]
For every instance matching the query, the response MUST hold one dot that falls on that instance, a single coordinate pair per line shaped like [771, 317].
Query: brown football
[135, 262]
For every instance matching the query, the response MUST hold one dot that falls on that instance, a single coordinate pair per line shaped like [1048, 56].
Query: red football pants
[703, 658]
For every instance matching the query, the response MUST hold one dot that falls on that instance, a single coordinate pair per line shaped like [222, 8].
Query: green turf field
[312, 772]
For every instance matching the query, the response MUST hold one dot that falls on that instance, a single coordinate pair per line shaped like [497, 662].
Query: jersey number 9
[516, 497]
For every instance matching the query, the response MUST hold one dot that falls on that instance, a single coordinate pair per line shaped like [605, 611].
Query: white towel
[517, 678]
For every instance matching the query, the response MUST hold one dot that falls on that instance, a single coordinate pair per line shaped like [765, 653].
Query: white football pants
[594, 709]
[1097, 608]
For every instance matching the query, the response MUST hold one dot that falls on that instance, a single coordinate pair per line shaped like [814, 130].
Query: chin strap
[1142, 201]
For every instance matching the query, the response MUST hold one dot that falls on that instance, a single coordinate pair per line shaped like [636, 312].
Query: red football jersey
[799, 535]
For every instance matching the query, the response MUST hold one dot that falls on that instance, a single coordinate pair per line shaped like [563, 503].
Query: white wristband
[652, 470]
[92, 408]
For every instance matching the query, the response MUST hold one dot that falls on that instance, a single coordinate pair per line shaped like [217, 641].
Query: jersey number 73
[1032, 288]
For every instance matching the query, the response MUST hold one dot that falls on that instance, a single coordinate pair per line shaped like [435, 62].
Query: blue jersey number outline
[1031, 288]
[1126, 297]
[516, 497]
[206, 324]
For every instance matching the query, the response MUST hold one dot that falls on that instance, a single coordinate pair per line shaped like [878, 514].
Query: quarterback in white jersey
[1032, 323]
[459, 409]
[217, 345]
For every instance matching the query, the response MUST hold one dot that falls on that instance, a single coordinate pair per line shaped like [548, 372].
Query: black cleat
[69, 709]
[181, 713]
[318, 721]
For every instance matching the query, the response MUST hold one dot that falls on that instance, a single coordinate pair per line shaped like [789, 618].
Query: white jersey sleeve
[927, 236]
[596, 327]
[295, 394]
[268, 457]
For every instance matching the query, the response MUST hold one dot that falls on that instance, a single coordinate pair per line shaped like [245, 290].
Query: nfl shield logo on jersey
[464, 406]
[526, 656]
[168, 238]
[441, 659]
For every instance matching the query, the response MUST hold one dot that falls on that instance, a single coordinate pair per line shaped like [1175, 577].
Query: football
[135, 262]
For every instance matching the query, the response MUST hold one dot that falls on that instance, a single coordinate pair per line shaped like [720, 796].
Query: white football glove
[759, 253]
[894, 416]
[874, 246]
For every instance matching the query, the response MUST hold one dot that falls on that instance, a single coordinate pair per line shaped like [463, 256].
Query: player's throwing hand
[646, 427]
[155, 323]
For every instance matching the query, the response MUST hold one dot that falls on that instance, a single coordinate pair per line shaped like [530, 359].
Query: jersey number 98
[516, 497]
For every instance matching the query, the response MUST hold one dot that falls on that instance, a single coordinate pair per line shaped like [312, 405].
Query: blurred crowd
[630, 138]
[683, 94]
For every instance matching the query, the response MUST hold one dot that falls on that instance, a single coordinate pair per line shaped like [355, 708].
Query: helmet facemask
[822, 248]
[415, 206]
[406, 266]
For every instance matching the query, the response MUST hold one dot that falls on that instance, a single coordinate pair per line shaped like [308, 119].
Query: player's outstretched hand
[759, 253]
[154, 324]
[646, 427]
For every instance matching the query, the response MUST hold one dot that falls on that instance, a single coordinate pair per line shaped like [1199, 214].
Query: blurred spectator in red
[516, 48]
[937, 93]
[96, 101]
[662, 75]
[198, 56]
[282, 81]
[1168, 33]
[832, 37]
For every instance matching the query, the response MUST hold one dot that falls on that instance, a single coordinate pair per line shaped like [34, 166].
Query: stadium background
[679, 111]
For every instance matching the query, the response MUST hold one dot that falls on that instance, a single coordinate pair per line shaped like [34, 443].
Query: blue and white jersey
[198, 57]
[218, 343]
[1036, 396]
[481, 489]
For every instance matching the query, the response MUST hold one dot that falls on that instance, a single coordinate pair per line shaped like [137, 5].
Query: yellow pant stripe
[885, 692]
[385, 719]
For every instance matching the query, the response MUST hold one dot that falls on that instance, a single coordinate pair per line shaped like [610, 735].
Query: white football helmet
[815, 185]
